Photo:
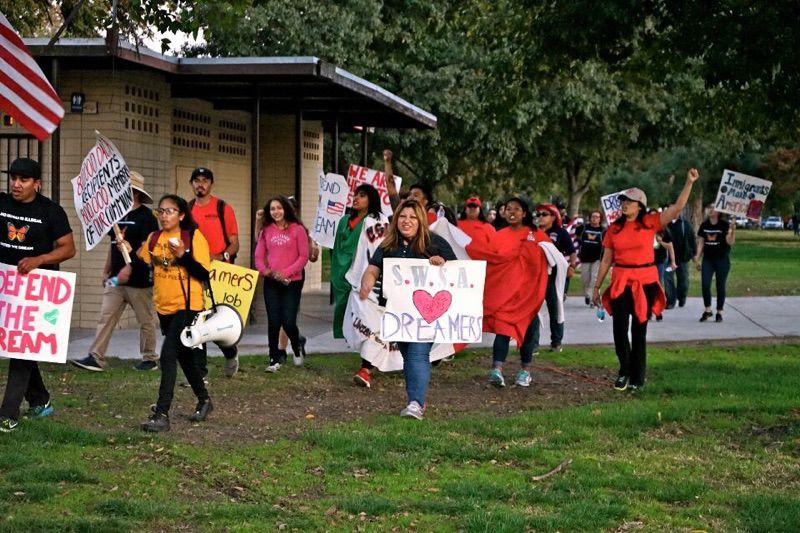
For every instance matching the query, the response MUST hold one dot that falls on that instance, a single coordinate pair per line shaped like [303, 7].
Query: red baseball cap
[473, 200]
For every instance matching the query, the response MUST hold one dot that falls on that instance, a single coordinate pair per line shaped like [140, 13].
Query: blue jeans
[556, 329]
[719, 267]
[662, 272]
[677, 293]
[500, 347]
[416, 369]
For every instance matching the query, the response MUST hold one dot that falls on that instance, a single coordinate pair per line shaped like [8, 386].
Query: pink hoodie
[284, 250]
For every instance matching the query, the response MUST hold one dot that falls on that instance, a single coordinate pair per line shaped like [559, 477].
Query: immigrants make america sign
[102, 191]
[35, 314]
[427, 303]
[741, 195]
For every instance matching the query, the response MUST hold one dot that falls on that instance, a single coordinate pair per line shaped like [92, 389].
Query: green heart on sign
[52, 316]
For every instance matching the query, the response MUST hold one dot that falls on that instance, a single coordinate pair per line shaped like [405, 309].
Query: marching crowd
[531, 252]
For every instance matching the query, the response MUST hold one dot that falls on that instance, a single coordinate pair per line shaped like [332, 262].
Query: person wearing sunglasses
[472, 221]
[549, 221]
[635, 292]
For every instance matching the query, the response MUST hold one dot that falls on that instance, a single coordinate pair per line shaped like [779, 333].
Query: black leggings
[719, 266]
[24, 381]
[173, 352]
[283, 304]
[632, 353]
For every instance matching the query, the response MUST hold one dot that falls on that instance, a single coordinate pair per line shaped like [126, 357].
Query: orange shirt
[207, 219]
[633, 246]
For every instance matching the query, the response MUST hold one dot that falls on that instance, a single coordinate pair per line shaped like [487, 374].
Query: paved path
[753, 317]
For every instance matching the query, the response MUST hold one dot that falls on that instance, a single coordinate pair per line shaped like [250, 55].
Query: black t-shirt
[591, 243]
[713, 235]
[30, 229]
[661, 253]
[137, 225]
[561, 240]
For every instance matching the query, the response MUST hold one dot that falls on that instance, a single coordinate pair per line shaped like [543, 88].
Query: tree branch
[554, 471]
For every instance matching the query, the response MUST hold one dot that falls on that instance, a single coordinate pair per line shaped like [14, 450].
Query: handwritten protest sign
[333, 196]
[102, 191]
[233, 285]
[741, 195]
[357, 175]
[611, 206]
[427, 303]
[35, 314]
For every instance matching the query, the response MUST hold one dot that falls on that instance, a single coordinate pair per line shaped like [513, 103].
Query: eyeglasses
[166, 210]
[544, 214]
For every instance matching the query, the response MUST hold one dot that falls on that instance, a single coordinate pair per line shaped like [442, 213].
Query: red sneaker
[362, 378]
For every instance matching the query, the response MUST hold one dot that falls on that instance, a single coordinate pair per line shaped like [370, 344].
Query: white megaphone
[221, 324]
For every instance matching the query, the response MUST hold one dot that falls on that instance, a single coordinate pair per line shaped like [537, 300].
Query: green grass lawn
[763, 263]
[713, 443]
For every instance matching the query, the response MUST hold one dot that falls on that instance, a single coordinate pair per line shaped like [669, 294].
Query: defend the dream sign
[611, 206]
[102, 191]
[333, 193]
[35, 314]
[426, 303]
[741, 195]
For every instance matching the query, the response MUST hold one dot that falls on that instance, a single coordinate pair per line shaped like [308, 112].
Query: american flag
[335, 208]
[25, 93]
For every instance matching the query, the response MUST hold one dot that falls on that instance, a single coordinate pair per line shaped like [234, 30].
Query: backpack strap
[151, 242]
[221, 216]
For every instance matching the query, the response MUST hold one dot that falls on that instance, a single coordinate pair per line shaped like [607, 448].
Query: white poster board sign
[357, 175]
[102, 191]
[741, 195]
[333, 197]
[427, 303]
[611, 206]
[35, 314]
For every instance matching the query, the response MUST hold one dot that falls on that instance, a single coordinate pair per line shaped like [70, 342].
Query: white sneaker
[496, 378]
[413, 410]
[273, 367]
[523, 378]
[297, 360]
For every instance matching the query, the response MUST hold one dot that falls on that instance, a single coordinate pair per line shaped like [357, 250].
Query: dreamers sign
[427, 303]
[35, 314]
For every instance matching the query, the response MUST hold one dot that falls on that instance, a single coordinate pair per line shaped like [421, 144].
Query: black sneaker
[555, 348]
[635, 389]
[201, 411]
[146, 365]
[156, 423]
[87, 363]
[587, 301]
[718, 318]
[705, 316]
[681, 304]
[7, 425]
[621, 383]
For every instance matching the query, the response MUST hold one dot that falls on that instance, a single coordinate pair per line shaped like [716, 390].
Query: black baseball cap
[25, 167]
[202, 171]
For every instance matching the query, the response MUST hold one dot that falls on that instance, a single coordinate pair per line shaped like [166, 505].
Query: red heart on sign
[431, 307]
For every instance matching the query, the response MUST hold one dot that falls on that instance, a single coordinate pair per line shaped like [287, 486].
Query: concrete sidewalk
[754, 317]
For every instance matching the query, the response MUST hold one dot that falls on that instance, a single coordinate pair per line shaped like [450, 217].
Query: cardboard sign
[102, 191]
[427, 303]
[333, 197]
[742, 195]
[35, 314]
[611, 206]
[233, 285]
[357, 175]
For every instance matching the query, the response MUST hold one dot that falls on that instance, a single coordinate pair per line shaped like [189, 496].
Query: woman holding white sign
[635, 292]
[714, 240]
[408, 237]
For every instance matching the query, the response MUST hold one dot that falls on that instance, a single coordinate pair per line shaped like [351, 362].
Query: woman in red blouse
[635, 292]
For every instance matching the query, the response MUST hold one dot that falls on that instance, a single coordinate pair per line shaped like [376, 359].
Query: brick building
[258, 122]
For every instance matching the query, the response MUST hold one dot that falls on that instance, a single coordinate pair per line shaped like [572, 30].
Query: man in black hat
[38, 236]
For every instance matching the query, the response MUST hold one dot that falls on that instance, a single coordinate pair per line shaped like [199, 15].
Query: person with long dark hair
[180, 259]
[635, 292]
[515, 288]
[714, 240]
[281, 255]
[408, 237]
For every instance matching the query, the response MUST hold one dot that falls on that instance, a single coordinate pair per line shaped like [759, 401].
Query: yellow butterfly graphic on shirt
[17, 233]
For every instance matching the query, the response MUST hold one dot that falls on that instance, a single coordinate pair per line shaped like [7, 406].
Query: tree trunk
[577, 185]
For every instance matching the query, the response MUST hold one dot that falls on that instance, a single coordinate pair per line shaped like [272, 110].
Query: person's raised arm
[672, 212]
[388, 171]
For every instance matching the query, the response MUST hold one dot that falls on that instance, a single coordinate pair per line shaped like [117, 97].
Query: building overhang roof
[320, 89]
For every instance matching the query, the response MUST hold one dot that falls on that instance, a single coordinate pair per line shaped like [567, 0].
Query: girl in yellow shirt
[178, 276]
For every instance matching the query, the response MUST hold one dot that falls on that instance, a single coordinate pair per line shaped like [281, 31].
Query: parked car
[773, 222]
[741, 222]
